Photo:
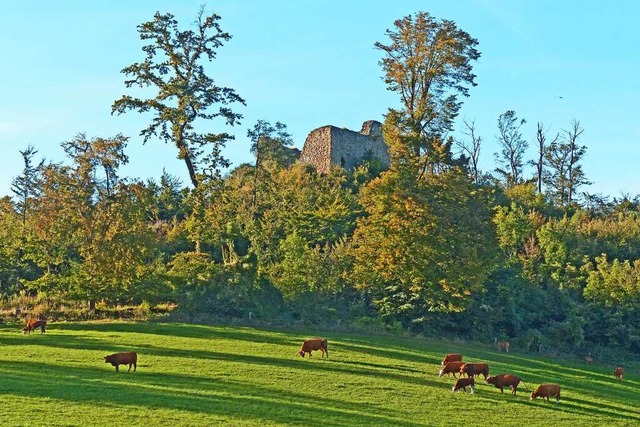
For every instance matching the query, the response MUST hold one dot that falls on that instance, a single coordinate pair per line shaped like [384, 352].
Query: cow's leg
[135, 366]
[471, 387]
[129, 370]
[117, 368]
[501, 389]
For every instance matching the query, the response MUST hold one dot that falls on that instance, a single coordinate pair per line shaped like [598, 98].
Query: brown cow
[314, 344]
[128, 358]
[451, 368]
[504, 380]
[462, 383]
[34, 324]
[502, 346]
[453, 357]
[472, 369]
[546, 390]
[618, 372]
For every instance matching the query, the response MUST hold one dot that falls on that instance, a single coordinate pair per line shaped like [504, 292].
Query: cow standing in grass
[452, 357]
[129, 358]
[314, 344]
[451, 368]
[35, 324]
[618, 372]
[463, 383]
[546, 390]
[472, 369]
[505, 380]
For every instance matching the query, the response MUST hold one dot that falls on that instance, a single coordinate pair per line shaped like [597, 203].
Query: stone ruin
[329, 146]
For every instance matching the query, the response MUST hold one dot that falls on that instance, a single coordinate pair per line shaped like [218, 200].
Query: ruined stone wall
[331, 146]
[317, 149]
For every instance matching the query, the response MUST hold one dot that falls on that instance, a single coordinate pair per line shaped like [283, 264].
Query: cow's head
[533, 395]
[441, 372]
[25, 330]
[301, 353]
[490, 380]
[108, 359]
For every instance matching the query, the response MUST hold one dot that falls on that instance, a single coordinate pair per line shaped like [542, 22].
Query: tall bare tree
[539, 163]
[513, 147]
[472, 148]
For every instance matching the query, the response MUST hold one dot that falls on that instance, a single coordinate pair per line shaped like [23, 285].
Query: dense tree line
[432, 245]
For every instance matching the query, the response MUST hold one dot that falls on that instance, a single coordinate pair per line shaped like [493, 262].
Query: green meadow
[217, 375]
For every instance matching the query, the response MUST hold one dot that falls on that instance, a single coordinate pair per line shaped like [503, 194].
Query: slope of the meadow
[208, 375]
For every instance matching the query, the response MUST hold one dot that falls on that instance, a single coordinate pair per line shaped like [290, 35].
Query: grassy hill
[204, 375]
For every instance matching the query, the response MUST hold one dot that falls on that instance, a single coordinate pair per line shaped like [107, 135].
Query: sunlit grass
[203, 375]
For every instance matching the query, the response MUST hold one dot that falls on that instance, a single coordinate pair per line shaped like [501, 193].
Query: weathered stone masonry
[331, 146]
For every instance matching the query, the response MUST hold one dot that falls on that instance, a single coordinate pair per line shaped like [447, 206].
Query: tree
[541, 138]
[423, 246]
[267, 142]
[513, 148]
[472, 149]
[26, 188]
[428, 63]
[565, 174]
[173, 66]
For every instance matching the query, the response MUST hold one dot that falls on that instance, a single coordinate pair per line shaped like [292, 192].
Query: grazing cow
[34, 324]
[453, 357]
[502, 346]
[314, 344]
[588, 360]
[128, 358]
[505, 380]
[462, 383]
[472, 369]
[451, 368]
[618, 372]
[546, 390]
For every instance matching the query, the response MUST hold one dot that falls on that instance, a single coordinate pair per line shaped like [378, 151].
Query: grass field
[190, 375]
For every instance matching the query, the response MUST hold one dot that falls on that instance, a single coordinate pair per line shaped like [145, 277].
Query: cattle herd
[451, 364]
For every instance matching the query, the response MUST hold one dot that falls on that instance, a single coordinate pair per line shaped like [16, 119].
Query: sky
[312, 63]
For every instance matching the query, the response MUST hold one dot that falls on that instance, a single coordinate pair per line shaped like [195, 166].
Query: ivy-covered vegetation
[432, 245]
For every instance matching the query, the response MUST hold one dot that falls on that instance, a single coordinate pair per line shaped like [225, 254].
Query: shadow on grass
[181, 330]
[566, 404]
[295, 363]
[186, 393]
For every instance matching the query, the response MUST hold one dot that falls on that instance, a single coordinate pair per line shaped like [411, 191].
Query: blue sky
[312, 63]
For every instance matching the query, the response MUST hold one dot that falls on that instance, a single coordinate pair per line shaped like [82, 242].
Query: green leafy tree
[268, 143]
[173, 65]
[423, 246]
[428, 63]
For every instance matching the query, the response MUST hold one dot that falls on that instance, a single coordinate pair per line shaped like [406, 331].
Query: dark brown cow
[463, 383]
[504, 380]
[34, 324]
[472, 369]
[546, 390]
[618, 372]
[451, 368]
[314, 344]
[453, 357]
[129, 358]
